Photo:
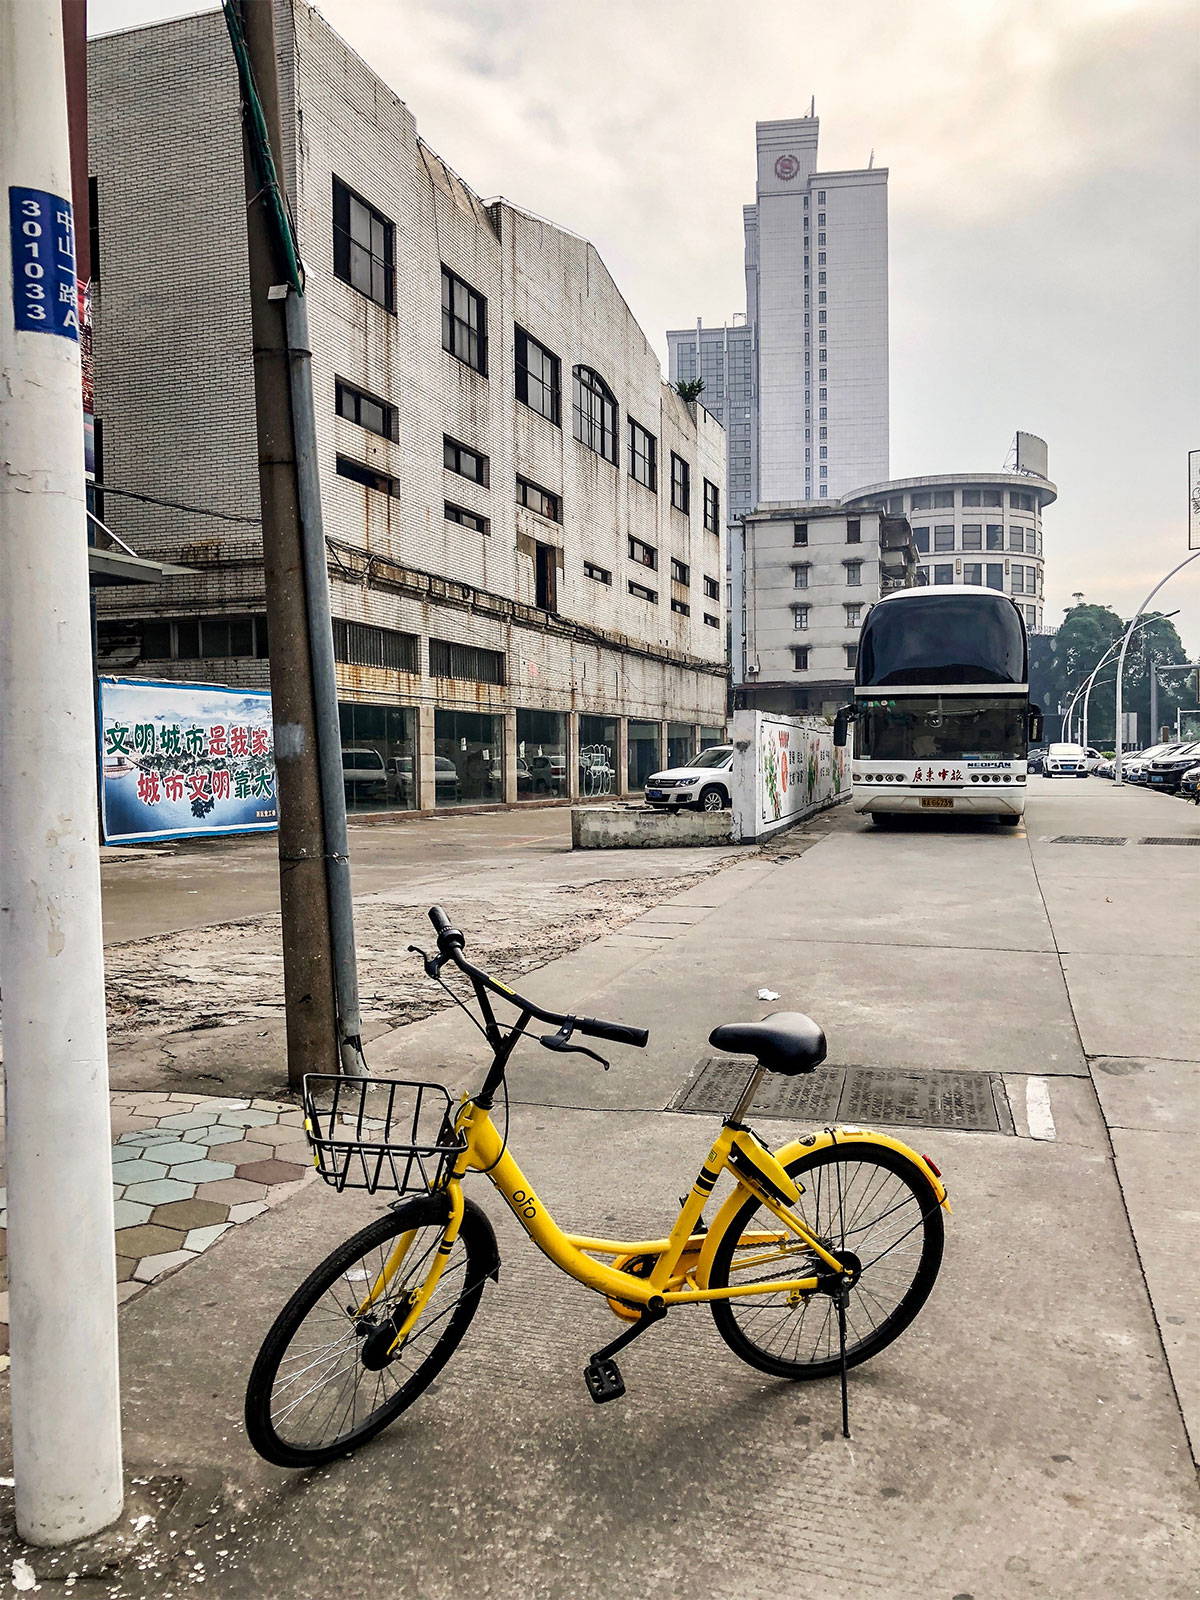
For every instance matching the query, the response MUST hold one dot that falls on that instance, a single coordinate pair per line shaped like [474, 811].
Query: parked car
[1135, 762]
[364, 775]
[1066, 761]
[1105, 769]
[1036, 759]
[548, 774]
[1189, 784]
[400, 780]
[705, 783]
[1166, 771]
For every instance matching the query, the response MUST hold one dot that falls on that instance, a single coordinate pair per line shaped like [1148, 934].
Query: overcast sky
[1043, 206]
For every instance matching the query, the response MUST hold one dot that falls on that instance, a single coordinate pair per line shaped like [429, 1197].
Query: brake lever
[432, 964]
[558, 1041]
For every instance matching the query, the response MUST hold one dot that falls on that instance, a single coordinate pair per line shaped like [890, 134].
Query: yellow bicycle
[820, 1255]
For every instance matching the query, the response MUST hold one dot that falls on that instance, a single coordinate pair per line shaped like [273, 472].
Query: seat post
[748, 1093]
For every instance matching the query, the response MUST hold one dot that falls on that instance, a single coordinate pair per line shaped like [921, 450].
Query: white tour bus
[941, 713]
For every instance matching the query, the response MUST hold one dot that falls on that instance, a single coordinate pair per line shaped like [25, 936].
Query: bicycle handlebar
[451, 944]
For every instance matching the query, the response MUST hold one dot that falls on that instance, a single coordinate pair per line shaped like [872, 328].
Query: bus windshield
[931, 727]
[951, 638]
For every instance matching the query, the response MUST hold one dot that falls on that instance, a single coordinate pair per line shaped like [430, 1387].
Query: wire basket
[380, 1133]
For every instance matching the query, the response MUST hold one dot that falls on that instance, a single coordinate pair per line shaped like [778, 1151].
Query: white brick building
[525, 523]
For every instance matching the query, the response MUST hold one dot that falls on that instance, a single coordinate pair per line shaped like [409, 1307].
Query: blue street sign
[45, 297]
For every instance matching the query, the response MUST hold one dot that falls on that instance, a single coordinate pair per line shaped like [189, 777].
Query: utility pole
[312, 859]
[62, 1275]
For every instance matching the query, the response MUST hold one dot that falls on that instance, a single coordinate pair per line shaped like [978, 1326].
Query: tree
[690, 388]
[1086, 634]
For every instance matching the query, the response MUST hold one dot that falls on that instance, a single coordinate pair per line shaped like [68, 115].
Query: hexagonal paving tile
[151, 1267]
[246, 1119]
[231, 1191]
[125, 1266]
[148, 1137]
[127, 1213]
[127, 1172]
[127, 1152]
[245, 1150]
[271, 1172]
[247, 1209]
[201, 1238]
[176, 1155]
[147, 1240]
[220, 1134]
[159, 1192]
[191, 1214]
[186, 1119]
[203, 1171]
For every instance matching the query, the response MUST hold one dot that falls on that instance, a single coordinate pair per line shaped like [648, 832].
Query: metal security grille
[971, 1101]
[448, 660]
[1088, 838]
[357, 644]
[1169, 841]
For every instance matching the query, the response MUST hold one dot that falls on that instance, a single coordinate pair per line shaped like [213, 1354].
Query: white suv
[1066, 761]
[704, 783]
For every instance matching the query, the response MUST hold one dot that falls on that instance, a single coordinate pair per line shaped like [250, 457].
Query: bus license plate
[936, 802]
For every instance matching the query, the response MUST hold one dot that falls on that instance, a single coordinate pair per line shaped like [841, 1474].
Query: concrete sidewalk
[1024, 1438]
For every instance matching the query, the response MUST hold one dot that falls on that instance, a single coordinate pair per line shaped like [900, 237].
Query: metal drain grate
[1169, 841]
[972, 1101]
[1088, 838]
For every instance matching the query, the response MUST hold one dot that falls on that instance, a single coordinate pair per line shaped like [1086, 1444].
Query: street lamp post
[1125, 646]
[1085, 689]
[1087, 693]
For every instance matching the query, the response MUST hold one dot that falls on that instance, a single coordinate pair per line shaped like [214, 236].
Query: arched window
[595, 411]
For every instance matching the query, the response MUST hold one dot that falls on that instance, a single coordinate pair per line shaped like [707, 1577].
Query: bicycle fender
[487, 1236]
[823, 1140]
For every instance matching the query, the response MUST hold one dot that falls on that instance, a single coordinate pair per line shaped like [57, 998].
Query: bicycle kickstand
[841, 1310]
[602, 1375]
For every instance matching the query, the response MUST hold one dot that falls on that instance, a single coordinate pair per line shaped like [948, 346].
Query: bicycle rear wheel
[862, 1199]
[323, 1382]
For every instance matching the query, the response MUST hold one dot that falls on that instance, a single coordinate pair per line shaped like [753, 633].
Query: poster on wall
[798, 767]
[184, 760]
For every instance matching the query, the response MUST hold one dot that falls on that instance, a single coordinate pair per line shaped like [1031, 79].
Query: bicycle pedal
[604, 1381]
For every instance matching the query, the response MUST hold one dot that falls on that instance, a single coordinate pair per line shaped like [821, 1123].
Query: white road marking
[1037, 1109]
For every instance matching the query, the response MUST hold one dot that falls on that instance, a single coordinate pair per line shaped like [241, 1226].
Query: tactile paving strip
[972, 1101]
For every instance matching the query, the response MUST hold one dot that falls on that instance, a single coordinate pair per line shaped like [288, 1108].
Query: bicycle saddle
[787, 1042]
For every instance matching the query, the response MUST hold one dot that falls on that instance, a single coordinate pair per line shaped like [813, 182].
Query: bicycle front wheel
[324, 1381]
[860, 1200]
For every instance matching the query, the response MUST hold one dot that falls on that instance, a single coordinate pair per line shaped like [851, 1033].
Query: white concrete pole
[1117, 779]
[62, 1275]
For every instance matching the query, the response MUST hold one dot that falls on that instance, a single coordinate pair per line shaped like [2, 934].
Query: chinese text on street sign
[45, 297]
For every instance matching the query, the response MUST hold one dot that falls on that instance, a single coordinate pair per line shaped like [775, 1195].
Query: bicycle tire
[909, 1279]
[273, 1431]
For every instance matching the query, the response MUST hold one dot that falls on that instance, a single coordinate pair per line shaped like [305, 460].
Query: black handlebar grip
[448, 935]
[618, 1032]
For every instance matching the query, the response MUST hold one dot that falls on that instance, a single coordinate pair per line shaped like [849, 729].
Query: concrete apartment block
[505, 595]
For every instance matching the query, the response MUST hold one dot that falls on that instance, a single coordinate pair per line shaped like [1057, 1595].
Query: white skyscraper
[816, 330]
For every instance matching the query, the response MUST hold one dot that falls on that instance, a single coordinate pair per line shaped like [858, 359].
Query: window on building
[681, 608]
[1018, 578]
[851, 655]
[363, 247]
[545, 576]
[820, 197]
[822, 374]
[943, 538]
[943, 498]
[972, 572]
[460, 458]
[369, 477]
[467, 519]
[367, 410]
[995, 574]
[993, 497]
[824, 471]
[822, 277]
[995, 536]
[972, 497]
[800, 616]
[854, 615]
[643, 455]
[944, 573]
[921, 577]
[712, 507]
[800, 657]
[534, 498]
[680, 571]
[681, 484]
[538, 377]
[464, 321]
[800, 575]
[853, 573]
[598, 574]
[972, 536]
[644, 554]
[1016, 539]
[360, 645]
[823, 452]
[1031, 580]
[711, 621]
[821, 238]
[595, 411]
[922, 501]
[921, 540]
[185, 638]
[640, 592]
[820, 258]
[712, 588]
[467, 661]
[1031, 616]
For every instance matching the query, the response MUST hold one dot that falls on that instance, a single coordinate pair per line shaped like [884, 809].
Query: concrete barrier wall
[784, 768]
[645, 827]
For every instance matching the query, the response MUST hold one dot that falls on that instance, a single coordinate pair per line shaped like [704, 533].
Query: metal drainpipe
[324, 674]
